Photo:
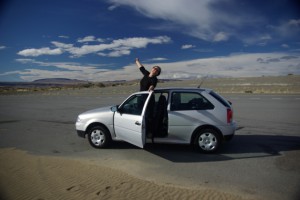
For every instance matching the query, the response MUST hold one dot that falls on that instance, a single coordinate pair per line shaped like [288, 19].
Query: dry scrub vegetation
[252, 85]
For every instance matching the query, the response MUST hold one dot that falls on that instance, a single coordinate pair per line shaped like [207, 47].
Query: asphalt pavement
[262, 160]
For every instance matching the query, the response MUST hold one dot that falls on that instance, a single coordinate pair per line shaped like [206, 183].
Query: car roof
[182, 89]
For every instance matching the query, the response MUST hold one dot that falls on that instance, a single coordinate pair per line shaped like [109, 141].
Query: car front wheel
[207, 141]
[99, 137]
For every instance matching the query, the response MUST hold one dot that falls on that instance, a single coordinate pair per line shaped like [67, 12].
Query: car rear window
[189, 101]
[220, 99]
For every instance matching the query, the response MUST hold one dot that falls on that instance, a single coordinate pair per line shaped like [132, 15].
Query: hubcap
[207, 141]
[97, 137]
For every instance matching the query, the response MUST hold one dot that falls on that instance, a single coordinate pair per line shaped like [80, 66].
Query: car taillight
[229, 115]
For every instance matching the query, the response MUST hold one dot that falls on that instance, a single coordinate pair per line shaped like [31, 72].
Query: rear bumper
[81, 133]
[228, 131]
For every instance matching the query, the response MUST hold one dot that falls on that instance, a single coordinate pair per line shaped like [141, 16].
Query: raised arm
[138, 63]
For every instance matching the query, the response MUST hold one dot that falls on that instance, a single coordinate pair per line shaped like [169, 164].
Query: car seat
[176, 101]
[160, 125]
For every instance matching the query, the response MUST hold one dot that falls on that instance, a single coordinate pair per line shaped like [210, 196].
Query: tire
[207, 141]
[99, 137]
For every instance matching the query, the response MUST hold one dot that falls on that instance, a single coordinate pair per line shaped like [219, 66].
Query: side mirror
[114, 108]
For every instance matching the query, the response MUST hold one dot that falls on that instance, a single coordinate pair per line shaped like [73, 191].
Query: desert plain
[41, 157]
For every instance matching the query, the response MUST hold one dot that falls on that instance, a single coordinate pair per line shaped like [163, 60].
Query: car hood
[97, 111]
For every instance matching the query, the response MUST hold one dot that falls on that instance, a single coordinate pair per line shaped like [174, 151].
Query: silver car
[199, 117]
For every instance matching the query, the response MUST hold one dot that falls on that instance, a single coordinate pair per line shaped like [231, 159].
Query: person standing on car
[149, 80]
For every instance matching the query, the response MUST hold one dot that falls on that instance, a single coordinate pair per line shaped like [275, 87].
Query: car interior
[157, 116]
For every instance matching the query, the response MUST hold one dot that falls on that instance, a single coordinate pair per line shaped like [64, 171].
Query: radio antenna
[202, 81]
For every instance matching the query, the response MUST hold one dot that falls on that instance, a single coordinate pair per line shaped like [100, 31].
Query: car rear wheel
[207, 141]
[99, 137]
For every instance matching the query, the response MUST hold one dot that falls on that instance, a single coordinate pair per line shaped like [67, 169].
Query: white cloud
[70, 66]
[61, 45]
[116, 53]
[87, 39]
[60, 70]
[205, 19]
[34, 74]
[221, 36]
[215, 21]
[265, 37]
[294, 22]
[158, 59]
[64, 36]
[40, 52]
[116, 48]
[113, 7]
[187, 46]
[193, 13]
[288, 28]
[24, 60]
[235, 65]
[2, 47]
[90, 38]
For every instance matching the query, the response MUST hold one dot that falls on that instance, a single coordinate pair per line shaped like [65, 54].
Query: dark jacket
[147, 81]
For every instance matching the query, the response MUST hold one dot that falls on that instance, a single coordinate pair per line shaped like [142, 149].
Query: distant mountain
[58, 81]
[48, 82]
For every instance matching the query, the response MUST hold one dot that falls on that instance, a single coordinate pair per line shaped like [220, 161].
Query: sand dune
[25, 176]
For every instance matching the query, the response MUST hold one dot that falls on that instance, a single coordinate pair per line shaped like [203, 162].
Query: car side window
[134, 105]
[189, 101]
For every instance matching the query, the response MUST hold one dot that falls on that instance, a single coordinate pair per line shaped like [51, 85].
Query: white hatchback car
[199, 117]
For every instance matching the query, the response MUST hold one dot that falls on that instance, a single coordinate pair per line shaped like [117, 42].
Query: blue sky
[98, 40]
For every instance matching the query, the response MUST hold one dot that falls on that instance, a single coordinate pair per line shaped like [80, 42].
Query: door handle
[137, 123]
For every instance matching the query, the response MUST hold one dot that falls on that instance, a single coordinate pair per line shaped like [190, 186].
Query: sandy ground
[25, 176]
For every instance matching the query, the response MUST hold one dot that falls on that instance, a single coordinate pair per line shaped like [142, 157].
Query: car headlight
[78, 119]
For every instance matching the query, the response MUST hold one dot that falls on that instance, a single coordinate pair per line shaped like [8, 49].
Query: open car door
[130, 121]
